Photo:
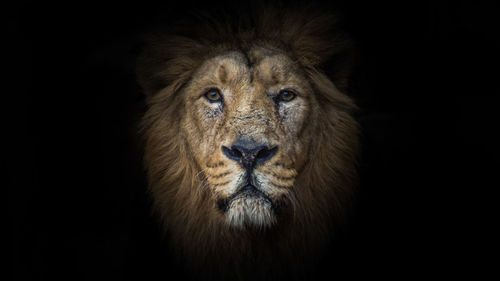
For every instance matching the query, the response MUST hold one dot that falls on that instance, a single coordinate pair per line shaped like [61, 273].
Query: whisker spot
[281, 177]
[215, 165]
[220, 175]
[281, 186]
[220, 184]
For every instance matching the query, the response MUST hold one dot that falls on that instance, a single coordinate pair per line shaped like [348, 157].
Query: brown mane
[323, 187]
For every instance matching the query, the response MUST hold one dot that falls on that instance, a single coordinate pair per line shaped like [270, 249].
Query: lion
[250, 148]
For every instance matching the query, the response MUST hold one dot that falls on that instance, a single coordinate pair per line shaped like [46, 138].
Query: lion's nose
[249, 156]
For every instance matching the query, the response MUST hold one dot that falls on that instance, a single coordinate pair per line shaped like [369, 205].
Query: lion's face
[245, 118]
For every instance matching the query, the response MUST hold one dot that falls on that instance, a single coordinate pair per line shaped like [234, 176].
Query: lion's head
[250, 148]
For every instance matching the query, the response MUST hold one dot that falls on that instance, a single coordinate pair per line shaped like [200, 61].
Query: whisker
[199, 173]
[203, 185]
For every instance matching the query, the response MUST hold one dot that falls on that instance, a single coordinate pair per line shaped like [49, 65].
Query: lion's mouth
[248, 207]
[247, 192]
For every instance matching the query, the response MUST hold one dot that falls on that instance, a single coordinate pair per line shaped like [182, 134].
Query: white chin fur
[250, 211]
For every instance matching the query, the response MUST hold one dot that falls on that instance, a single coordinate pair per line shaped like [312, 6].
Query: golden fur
[311, 177]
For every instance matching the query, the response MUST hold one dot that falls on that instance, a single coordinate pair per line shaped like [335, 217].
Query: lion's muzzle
[248, 154]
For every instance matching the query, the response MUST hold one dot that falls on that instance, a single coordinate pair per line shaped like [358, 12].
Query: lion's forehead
[247, 71]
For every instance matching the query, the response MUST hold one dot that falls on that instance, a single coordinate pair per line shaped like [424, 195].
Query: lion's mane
[324, 186]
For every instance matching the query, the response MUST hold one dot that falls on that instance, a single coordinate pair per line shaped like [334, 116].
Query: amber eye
[213, 95]
[287, 95]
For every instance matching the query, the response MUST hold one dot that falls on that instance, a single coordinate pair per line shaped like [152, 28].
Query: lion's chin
[250, 210]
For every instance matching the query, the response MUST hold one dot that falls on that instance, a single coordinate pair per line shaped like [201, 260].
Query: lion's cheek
[201, 134]
[301, 152]
[193, 139]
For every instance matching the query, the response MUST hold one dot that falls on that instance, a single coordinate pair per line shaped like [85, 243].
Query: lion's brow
[222, 74]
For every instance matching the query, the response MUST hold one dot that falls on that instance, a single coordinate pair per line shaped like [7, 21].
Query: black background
[426, 83]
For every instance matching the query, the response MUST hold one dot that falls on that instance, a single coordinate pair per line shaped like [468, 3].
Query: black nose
[249, 156]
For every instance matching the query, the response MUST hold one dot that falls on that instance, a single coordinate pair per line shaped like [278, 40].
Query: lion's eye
[286, 95]
[213, 95]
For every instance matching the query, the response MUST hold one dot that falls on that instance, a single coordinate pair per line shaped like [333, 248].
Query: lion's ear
[148, 67]
[166, 61]
[319, 42]
[340, 65]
